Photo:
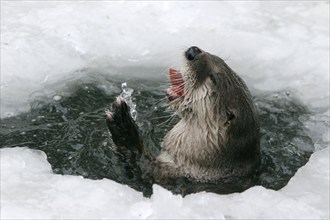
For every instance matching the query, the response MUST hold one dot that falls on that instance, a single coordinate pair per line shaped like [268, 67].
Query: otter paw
[118, 117]
[120, 109]
[121, 125]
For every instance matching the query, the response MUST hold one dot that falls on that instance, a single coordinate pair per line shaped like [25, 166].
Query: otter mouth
[176, 89]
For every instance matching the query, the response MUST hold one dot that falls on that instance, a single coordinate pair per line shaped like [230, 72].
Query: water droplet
[124, 86]
[57, 98]
[127, 96]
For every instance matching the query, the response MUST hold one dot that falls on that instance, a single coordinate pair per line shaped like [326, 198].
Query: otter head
[215, 106]
[209, 86]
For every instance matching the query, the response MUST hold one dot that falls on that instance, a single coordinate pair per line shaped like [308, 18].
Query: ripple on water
[71, 130]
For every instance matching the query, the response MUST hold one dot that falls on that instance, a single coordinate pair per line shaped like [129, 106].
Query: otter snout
[192, 52]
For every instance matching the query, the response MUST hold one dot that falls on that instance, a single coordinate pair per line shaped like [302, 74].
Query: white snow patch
[29, 190]
[278, 44]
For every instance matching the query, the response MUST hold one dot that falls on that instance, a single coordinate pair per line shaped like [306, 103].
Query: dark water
[73, 134]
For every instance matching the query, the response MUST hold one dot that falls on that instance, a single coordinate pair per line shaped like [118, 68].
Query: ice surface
[276, 44]
[273, 45]
[29, 190]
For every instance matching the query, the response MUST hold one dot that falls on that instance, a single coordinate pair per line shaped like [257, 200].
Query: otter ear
[230, 117]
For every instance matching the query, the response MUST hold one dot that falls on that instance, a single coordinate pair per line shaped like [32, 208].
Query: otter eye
[213, 79]
[230, 117]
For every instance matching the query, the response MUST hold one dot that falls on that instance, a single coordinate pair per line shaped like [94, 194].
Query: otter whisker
[160, 117]
[168, 121]
[165, 99]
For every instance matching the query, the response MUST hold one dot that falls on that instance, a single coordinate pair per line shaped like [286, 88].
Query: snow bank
[277, 44]
[29, 190]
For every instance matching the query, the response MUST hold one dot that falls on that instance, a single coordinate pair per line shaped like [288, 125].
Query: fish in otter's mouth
[217, 136]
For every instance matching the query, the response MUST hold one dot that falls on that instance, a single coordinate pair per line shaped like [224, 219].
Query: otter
[215, 145]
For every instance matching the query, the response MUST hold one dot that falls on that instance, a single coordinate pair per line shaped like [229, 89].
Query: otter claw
[119, 113]
[119, 106]
[109, 116]
[119, 100]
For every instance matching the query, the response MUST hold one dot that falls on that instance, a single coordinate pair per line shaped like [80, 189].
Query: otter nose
[192, 52]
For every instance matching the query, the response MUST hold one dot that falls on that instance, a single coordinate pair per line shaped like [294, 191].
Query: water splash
[126, 94]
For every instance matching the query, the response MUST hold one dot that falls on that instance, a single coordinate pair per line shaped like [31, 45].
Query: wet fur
[214, 146]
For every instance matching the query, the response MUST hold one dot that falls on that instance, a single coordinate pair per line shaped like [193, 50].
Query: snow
[275, 45]
[29, 190]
